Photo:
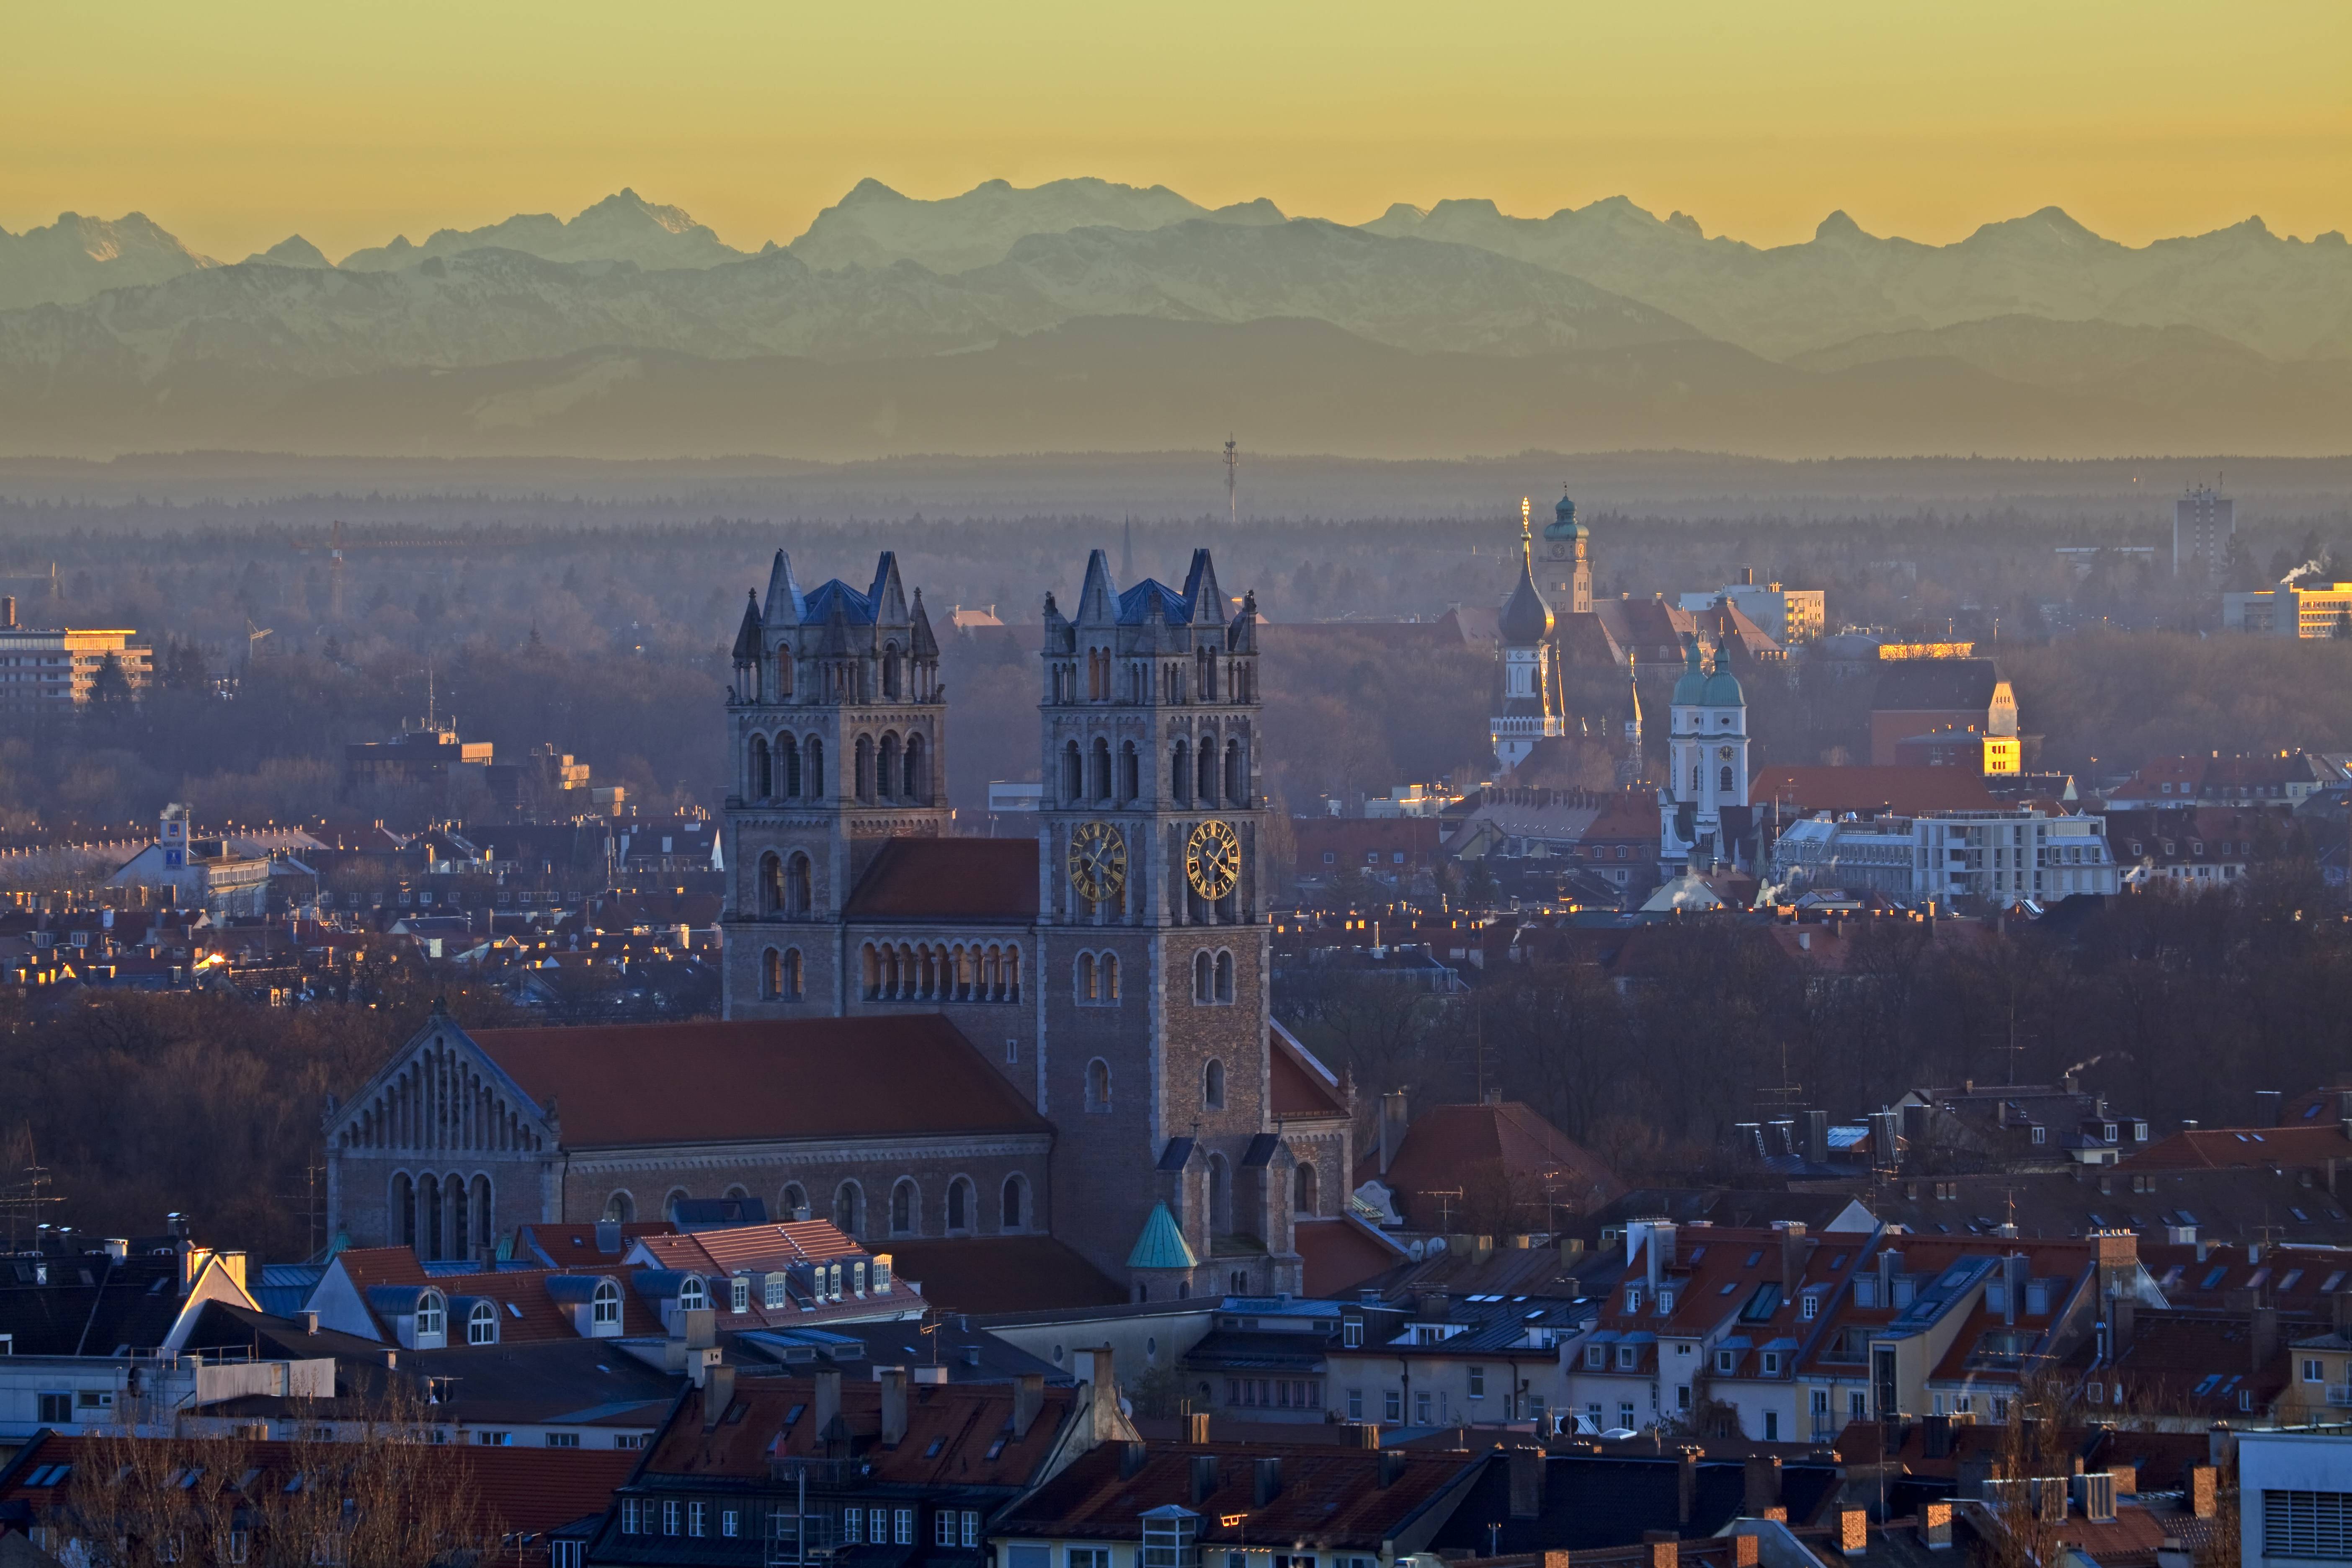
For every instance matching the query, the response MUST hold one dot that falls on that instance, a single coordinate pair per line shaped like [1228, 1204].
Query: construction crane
[252, 635]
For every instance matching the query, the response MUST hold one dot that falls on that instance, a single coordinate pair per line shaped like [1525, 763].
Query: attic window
[794, 1413]
[998, 1447]
[932, 1452]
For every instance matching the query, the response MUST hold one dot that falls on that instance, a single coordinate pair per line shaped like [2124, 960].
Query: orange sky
[235, 125]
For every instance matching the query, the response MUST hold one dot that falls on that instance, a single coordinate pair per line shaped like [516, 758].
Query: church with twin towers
[1112, 968]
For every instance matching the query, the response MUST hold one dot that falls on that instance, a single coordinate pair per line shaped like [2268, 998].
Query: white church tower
[1530, 711]
[1707, 764]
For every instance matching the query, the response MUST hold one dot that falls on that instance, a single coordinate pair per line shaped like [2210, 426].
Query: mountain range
[632, 322]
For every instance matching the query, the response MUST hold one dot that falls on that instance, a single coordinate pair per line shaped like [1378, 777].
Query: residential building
[798, 1470]
[2191, 846]
[1791, 617]
[1398, 850]
[1131, 1502]
[1435, 1359]
[1989, 755]
[57, 671]
[2001, 856]
[2272, 782]
[2204, 525]
[1920, 696]
[2289, 610]
[226, 878]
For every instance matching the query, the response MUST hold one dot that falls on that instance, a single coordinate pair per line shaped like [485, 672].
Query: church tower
[837, 719]
[1568, 566]
[1153, 942]
[1707, 762]
[1529, 709]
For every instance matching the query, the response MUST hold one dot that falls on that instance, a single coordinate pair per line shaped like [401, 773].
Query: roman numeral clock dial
[1097, 861]
[1213, 859]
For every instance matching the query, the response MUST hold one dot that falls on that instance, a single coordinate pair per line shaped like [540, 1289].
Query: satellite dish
[1416, 1251]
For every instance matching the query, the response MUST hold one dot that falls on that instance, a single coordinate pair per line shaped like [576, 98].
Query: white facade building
[2295, 1491]
[2001, 856]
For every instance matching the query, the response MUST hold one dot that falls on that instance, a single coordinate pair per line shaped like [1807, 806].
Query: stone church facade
[1104, 983]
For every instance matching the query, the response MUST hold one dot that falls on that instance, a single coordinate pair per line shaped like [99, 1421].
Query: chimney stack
[2266, 1107]
[1028, 1399]
[1527, 1476]
[1196, 1427]
[1792, 1257]
[8, 611]
[1763, 1485]
[894, 1405]
[1204, 1478]
[717, 1393]
[1265, 1480]
[1817, 1137]
[1393, 1121]
[2265, 1337]
[1685, 1484]
[1102, 1398]
[828, 1401]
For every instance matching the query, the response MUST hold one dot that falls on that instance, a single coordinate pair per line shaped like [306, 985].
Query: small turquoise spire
[1161, 1244]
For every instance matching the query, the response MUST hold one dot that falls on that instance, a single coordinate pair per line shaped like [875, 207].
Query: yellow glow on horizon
[235, 125]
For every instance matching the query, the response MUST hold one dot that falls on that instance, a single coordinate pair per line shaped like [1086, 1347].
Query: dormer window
[1809, 1306]
[1632, 1297]
[881, 1275]
[482, 1323]
[2040, 1134]
[776, 1292]
[692, 1297]
[432, 1318]
[1725, 1361]
[1665, 1303]
[1596, 1358]
[605, 1307]
[1771, 1363]
[2110, 1130]
[739, 1293]
[1629, 1357]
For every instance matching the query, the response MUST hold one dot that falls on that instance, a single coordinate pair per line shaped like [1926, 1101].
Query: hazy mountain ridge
[874, 225]
[624, 226]
[75, 257]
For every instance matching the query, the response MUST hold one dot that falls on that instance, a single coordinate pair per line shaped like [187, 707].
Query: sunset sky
[236, 123]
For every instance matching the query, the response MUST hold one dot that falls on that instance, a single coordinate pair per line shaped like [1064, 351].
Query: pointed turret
[1161, 1244]
[1097, 600]
[837, 632]
[785, 605]
[926, 646]
[1206, 600]
[747, 637]
[889, 595]
[1527, 620]
[1241, 635]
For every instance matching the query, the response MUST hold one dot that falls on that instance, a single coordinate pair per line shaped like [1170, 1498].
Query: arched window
[890, 670]
[432, 1318]
[1727, 779]
[771, 976]
[1179, 774]
[849, 1209]
[905, 1205]
[1208, 772]
[771, 884]
[1303, 1184]
[692, 1294]
[485, 1221]
[799, 891]
[762, 776]
[1213, 1086]
[428, 1206]
[460, 1215]
[1224, 976]
[1110, 977]
[669, 1205]
[1015, 1207]
[1073, 776]
[788, 767]
[863, 782]
[1100, 769]
[621, 1207]
[1694, 778]
[1086, 991]
[1098, 1085]
[604, 1306]
[887, 775]
[404, 1205]
[736, 1192]
[815, 752]
[482, 1323]
[1234, 789]
[1203, 977]
[792, 1203]
[919, 776]
[1131, 780]
[959, 1204]
[783, 672]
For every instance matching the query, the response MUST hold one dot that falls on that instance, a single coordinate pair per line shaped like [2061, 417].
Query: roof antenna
[1233, 462]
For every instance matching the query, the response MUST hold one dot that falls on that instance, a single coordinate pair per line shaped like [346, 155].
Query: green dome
[1563, 524]
[1722, 690]
[1690, 690]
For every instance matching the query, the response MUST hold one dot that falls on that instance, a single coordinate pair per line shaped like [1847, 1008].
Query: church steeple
[1530, 711]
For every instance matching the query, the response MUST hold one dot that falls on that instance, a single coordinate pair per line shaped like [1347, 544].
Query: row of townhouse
[1776, 1334]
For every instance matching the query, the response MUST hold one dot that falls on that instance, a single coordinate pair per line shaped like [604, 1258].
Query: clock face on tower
[1097, 861]
[1213, 858]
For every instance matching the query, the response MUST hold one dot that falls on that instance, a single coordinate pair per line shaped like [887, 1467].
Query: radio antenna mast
[1233, 462]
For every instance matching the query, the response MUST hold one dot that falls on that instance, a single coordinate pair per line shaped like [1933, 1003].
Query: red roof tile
[1302, 1087]
[1341, 1253]
[1003, 1274]
[526, 1314]
[904, 1075]
[2224, 1148]
[965, 1418]
[1906, 792]
[1446, 1141]
[949, 880]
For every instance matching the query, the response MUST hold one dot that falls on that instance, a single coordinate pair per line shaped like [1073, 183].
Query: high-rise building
[57, 668]
[2203, 524]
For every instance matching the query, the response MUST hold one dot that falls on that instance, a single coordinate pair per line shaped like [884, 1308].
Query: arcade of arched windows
[783, 766]
[441, 1100]
[1209, 676]
[442, 1217]
[942, 971]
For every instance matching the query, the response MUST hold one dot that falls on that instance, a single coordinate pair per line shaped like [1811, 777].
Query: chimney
[1854, 1532]
[2266, 1107]
[2265, 1338]
[1392, 1466]
[1204, 1478]
[1793, 1258]
[1935, 1526]
[1936, 1437]
[1527, 1474]
[1196, 1427]
[2220, 1446]
[1265, 1480]
[717, 1393]
[1763, 1485]
[308, 1319]
[1392, 1126]
[2204, 1490]
[1028, 1399]
[1102, 1397]
[1817, 1137]
[8, 611]
[1358, 1434]
[1661, 1548]
[1914, 1132]
[828, 1400]
[1685, 1484]
[894, 1405]
[1132, 1453]
[608, 1237]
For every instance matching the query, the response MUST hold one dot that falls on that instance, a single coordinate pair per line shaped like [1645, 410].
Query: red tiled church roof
[1445, 1141]
[1907, 792]
[907, 1075]
[1340, 1253]
[949, 879]
[1003, 1274]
